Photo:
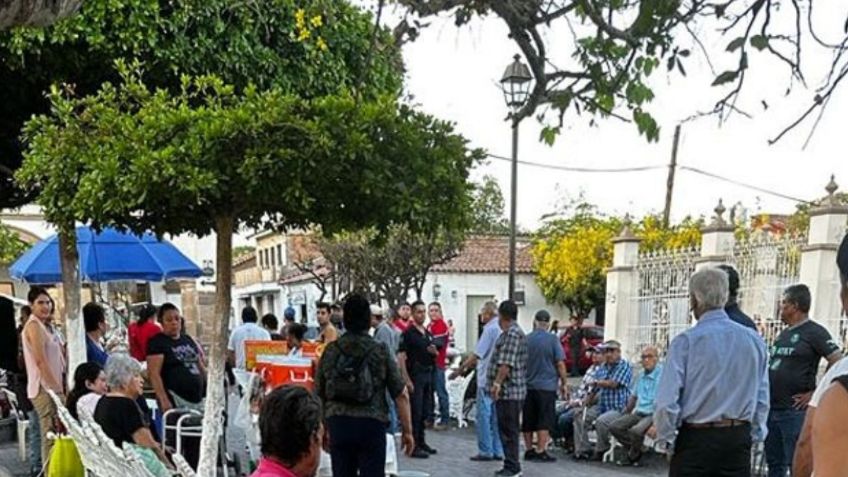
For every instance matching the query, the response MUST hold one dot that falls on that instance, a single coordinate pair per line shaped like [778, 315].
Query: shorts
[539, 411]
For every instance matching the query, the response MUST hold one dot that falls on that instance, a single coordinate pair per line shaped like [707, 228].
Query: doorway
[473, 304]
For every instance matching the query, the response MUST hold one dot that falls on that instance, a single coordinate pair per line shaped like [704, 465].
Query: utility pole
[672, 168]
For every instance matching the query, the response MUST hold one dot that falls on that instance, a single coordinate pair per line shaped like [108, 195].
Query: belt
[715, 424]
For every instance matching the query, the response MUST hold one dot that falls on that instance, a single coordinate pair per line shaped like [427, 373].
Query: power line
[651, 168]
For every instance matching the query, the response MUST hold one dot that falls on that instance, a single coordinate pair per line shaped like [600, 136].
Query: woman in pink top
[292, 433]
[45, 363]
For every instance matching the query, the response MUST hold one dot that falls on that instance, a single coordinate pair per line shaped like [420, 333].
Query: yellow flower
[303, 35]
[300, 18]
[321, 44]
[316, 21]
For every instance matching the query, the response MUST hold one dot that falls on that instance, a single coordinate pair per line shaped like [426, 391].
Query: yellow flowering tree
[572, 255]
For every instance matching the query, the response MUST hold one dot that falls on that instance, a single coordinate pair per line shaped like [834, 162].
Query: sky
[453, 73]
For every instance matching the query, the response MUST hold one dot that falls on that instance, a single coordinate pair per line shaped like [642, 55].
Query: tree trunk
[74, 328]
[215, 399]
[35, 12]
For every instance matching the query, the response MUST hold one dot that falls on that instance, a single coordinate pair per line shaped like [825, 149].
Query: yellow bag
[64, 459]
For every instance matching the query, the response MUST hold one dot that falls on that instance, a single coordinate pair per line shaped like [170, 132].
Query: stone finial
[831, 189]
[719, 213]
[626, 230]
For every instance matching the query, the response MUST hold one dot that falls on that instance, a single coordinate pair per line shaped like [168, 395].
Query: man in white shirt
[248, 330]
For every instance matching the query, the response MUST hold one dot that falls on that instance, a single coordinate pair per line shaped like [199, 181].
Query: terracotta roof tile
[489, 254]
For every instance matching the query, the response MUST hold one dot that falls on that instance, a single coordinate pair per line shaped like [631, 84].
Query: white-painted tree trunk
[35, 12]
[74, 327]
[215, 399]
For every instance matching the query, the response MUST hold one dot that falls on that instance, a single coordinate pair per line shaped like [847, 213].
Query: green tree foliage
[11, 246]
[308, 48]
[573, 253]
[212, 158]
[487, 208]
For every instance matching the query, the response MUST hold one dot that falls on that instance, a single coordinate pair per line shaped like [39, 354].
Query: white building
[480, 273]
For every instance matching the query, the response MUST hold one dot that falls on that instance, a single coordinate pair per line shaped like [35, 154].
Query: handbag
[64, 459]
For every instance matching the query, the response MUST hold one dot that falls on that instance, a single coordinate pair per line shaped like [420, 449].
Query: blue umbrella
[106, 256]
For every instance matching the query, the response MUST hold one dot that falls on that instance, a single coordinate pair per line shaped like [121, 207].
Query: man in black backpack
[354, 374]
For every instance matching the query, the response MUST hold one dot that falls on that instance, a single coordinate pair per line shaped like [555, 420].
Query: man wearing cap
[802, 463]
[713, 397]
[545, 375]
[507, 377]
[383, 333]
[613, 394]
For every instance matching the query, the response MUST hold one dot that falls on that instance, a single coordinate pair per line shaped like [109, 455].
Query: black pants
[509, 412]
[714, 452]
[422, 383]
[357, 446]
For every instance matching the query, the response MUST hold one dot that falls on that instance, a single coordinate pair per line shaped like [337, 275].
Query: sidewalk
[10, 466]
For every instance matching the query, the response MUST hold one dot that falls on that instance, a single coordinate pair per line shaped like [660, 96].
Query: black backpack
[351, 380]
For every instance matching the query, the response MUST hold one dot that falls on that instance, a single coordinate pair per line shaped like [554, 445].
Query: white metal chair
[23, 423]
[456, 393]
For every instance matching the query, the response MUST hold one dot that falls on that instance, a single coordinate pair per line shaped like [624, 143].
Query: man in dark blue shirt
[732, 307]
[95, 327]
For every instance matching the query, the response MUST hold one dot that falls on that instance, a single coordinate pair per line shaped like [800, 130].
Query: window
[273, 261]
[279, 254]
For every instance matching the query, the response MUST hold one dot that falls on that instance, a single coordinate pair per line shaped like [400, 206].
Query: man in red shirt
[401, 321]
[441, 335]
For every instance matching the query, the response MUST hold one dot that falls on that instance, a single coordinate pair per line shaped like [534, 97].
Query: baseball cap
[376, 310]
[543, 315]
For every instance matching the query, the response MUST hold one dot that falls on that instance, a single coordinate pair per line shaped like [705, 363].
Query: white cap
[376, 310]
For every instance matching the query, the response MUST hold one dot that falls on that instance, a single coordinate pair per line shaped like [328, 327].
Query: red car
[592, 336]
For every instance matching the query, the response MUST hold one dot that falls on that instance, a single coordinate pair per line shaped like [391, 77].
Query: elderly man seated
[630, 428]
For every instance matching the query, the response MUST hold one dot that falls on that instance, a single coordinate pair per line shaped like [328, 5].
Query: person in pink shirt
[292, 434]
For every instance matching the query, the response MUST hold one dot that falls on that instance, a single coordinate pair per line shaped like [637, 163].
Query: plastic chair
[23, 423]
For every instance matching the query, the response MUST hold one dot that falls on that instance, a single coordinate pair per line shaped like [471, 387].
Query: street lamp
[516, 88]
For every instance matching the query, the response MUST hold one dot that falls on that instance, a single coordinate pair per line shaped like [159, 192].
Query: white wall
[455, 288]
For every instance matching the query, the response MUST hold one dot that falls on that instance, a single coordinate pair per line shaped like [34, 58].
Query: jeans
[488, 438]
[357, 446]
[34, 443]
[509, 412]
[716, 452]
[784, 427]
[564, 428]
[440, 385]
[394, 426]
[422, 383]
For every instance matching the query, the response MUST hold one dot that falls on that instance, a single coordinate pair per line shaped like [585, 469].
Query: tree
[243, 250]
[11, 246]
[172, 163]
[388, 266]
[487, 208]
[617, 45]
[573, 254]
[309, 48]
[34, 12]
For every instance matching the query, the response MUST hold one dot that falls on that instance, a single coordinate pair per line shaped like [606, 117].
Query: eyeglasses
[646, 356]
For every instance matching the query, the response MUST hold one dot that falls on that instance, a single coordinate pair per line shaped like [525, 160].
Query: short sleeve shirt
[180, 366]
[119, 417]
[838, 369]
[245, 332]
[414, 344]
[383, 369]
[484, 350]
[511, 350]
[544, 353]
[794, 362]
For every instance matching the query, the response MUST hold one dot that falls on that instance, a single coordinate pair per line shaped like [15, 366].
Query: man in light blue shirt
[638, 416]
[714, 388]
[488, 438]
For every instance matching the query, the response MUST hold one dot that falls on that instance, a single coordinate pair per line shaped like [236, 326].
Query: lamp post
[516, 87]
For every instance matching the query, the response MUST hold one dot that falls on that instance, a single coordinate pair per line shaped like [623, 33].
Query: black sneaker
[530, 455]
[427, 449]
[580, 456]
[544, 457]
[419, 453]
[507, 473]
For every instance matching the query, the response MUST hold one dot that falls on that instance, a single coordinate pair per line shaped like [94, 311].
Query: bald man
[630, 428]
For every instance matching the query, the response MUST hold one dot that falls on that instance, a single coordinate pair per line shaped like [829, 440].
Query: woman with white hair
[120, 417]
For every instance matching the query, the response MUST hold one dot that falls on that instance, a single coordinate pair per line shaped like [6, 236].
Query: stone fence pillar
[717, 240]
[818, 261]
[622, 309]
